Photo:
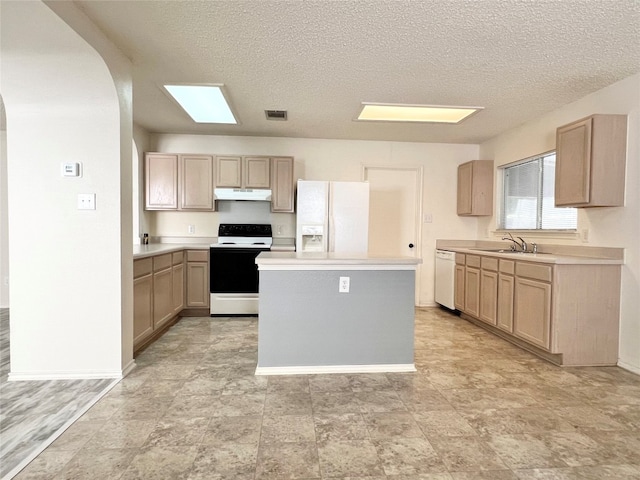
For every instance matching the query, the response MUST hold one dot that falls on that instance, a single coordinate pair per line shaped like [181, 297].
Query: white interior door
[394, 212]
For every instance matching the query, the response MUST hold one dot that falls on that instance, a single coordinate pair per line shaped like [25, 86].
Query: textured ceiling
[320, 59]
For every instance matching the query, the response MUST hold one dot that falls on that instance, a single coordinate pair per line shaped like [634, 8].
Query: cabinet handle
[411, 245]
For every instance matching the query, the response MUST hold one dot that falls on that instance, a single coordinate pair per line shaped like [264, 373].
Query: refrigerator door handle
[331, 243]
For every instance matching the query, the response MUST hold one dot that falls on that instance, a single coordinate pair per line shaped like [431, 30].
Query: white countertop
[142, 251]
[331, 261]
[541, 257]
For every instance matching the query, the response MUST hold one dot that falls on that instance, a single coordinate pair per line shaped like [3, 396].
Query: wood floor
[32, 414]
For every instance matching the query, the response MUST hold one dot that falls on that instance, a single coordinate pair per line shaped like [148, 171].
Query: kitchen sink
[505, 250]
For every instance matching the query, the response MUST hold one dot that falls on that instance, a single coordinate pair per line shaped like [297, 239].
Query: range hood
[252, 194]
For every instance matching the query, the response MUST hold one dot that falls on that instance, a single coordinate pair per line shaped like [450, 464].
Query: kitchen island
[307, 325]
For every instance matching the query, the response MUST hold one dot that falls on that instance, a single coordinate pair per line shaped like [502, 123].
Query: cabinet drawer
[536, 272]
[460, 258]
[507, 266]
[142, 267]
[489, 263]
[160, 262]
[473, 261]
[177, 257]
[197, 256]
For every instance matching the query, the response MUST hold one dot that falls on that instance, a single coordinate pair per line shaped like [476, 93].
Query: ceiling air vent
[276, 115]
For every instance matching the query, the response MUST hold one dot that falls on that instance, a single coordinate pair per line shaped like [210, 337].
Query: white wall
[140, 216]
[71, 270]
[4, 224]
[340, 160]
[610, 226]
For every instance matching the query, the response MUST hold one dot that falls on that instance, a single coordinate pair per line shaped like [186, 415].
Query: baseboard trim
[627, 366]
[318, 369]
[127, 370]
[21, 376]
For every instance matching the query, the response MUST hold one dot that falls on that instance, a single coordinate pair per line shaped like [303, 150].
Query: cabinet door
[142, 308]
[532, 311]
[505, 302]
[162, 297]
[282, 194]
[465, 177]
[489, 296]
[196, 181]
[198, 284]
[178, 288]
[472, 292]
[229, 172]
[458, 292]
[573, 163]
[257, 172]
[161, 181]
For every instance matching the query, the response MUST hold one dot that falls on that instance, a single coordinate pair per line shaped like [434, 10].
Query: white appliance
[233, 273]
[249, 194]
[332, 217]
[445, 278]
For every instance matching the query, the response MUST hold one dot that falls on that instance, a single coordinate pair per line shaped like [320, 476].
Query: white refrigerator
[332, 217]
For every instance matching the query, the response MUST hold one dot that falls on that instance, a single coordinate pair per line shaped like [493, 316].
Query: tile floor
[478, 408]
[31, 413]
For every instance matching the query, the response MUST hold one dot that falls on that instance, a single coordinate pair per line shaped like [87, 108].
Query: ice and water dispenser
[312, 238]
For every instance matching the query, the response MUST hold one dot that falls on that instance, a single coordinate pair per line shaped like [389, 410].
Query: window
[528, 197]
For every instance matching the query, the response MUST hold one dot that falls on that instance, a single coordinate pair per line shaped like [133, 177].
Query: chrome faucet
[524, 244]
[516, 244]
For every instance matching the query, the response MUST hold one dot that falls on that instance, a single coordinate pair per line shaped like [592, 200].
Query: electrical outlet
[86, 201]
[428, 218]
[279, 229]
[192, 229]
[585, 235]
[344, 284]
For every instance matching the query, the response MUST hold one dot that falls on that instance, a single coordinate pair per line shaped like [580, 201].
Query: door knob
[411, 245]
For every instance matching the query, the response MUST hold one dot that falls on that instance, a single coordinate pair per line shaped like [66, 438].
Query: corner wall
[71, 270]
[4, 224]
[607, 226]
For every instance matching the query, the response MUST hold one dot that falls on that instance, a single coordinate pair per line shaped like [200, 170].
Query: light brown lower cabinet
[489, 290]
[472, 285]
[532, 312]
[566, 313]
[160, 289]
[198, 279]
[178, 282]
[142, 308]
[506, 289]
[458, 287]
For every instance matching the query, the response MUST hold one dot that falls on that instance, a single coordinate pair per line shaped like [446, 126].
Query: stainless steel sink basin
[505, 250]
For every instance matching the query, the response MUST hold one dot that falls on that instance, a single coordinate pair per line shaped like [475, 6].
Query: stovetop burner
[256, 235]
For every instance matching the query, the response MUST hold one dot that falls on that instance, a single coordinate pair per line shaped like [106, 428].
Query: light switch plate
[86, 201]
[70, 169]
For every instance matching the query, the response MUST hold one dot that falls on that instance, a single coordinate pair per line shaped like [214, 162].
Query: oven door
[234, 270]
[234, 280]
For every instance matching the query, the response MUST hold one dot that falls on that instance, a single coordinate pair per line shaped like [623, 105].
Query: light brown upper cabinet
[282, 185]
[179, 182]
[590, 162]
[475, 188]
[161, 181]
[243, 172]
[196, 182]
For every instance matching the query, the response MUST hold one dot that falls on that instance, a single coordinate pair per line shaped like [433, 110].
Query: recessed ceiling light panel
[378, 112]
[203, 103]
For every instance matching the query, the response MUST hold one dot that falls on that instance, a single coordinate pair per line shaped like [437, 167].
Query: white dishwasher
[445, 278]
